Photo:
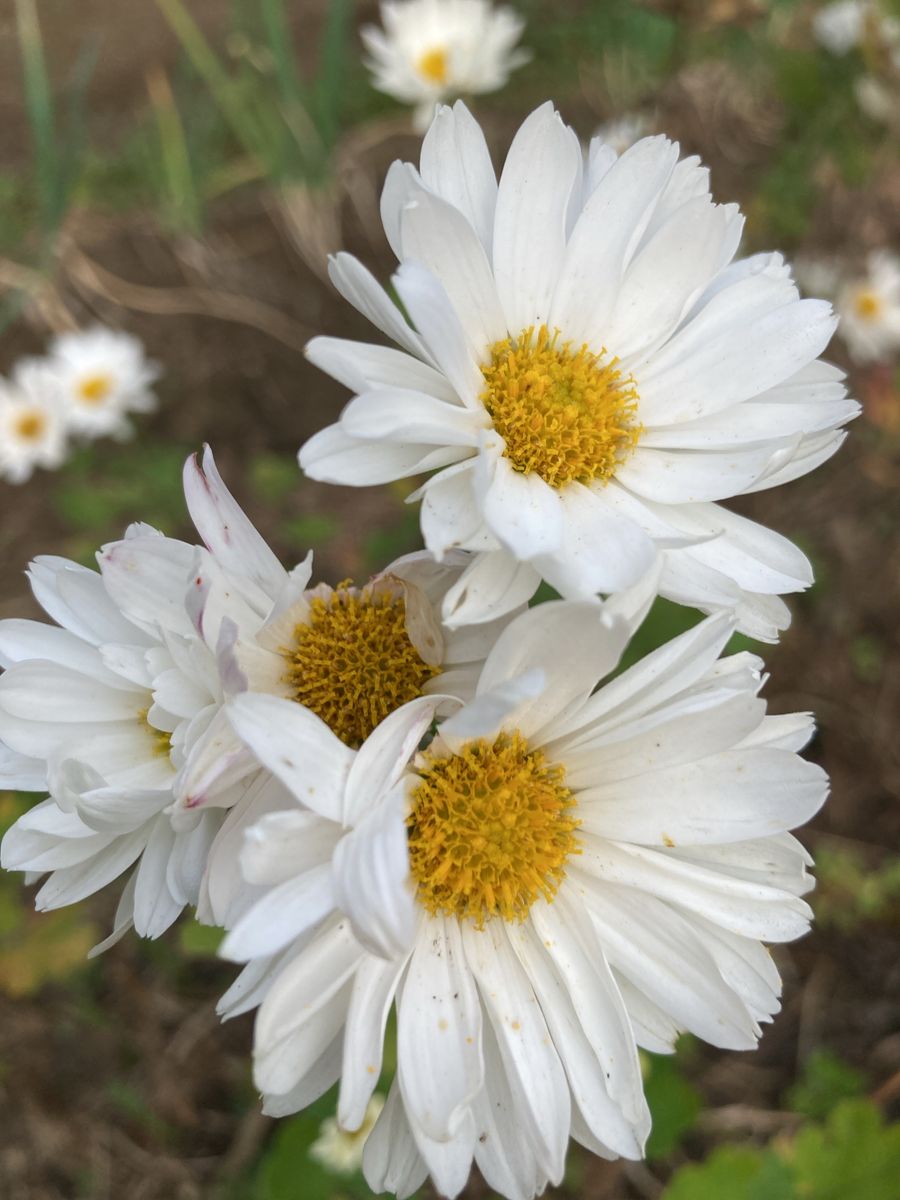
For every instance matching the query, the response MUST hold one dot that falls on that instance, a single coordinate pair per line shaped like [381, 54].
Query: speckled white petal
[439, 1062]
[536, 1075]
[374, 985]
[297, 747]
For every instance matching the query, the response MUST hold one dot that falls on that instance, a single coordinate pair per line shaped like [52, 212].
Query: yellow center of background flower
[490, 830]
[94, 389]
[30, 426]
[433, 66]
[564, 414]
[868, 305]
[353, 663]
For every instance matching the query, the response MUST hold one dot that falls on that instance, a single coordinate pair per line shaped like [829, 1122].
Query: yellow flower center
[564, 414]
[162, 740]
[352, 662]
[868, 305]
[30, 426]
[94, 389]
[434, 66]
[490, 830]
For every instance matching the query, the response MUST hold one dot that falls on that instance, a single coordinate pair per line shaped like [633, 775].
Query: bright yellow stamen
[353, 662]
[162, 739]
[564, 414]
[868, 305]
[490, 830]
[30, 426]
[434, 65]
[94, 389]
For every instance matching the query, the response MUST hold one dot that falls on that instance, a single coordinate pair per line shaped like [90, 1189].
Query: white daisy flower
[839, 27]
[32, 429]
[591, 870]
[623, 131]
[432, 50]
[586, 373]
[340, 1150]
[101, 710]
[351, 655]
[103, 376]
[869, 309]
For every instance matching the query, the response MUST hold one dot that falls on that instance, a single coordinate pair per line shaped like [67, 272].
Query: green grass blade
[39, 107]
[177, 171]
[331, 77]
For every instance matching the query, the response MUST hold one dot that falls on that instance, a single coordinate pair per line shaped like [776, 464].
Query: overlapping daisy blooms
[586, 372]
[121, 709]
[563, 873]
[417, 793]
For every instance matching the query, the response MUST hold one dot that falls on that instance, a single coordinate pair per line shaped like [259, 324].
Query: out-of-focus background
[180, 170]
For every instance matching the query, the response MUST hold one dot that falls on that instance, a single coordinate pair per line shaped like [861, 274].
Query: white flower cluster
[84, 388]
[420, 794]
[848, 24]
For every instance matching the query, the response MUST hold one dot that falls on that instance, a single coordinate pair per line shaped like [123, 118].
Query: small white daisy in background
[877, 100]
[623, 131]
[839, 27]
[32, 424]
[434, 50]
[566, 873]
[869, 310]
[588, 371]
[341, 1150]
[103, 376]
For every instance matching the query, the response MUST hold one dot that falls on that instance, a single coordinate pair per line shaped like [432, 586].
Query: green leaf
[825, 1082]
[854, 1155]
[733, 1173]
[674, 1104]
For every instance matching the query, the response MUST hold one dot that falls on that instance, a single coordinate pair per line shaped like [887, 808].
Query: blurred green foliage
[853, 1155]
[674, 1104]
[825, 1081]
[850, 890]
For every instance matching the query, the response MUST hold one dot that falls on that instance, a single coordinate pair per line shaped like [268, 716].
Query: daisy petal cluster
[121, 709]
[564, 873]
[428, 51]
[588, 372]
[84, 388]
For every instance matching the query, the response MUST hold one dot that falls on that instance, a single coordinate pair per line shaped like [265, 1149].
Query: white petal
[492, 585]
[431, 309]
[384, 755]
[225, 528]
[358, 285]
[456, 164]
[391, 1160]
[538, 180]
[725, 798]
[333, 456]
[282, 914]
[374, 986]
[362, 367]
[535, 1072]
[522, 511]
[371, 879]
[297, 747]
[155, 908]
[409, 417]
[281, 845]
[439, 1063]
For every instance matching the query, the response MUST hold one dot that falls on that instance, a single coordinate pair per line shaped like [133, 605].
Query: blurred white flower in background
[432, 50]
[869, 309]
[341, 1150]
[84, 388]
[103, 375]
[839, 27]
[623, 131]
[32, 429]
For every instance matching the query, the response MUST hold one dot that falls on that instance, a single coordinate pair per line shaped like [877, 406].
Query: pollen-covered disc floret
[353, 661]
[565, 414]
[490, 830]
